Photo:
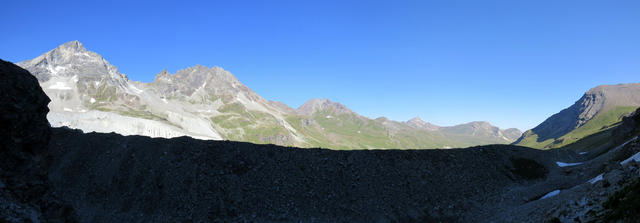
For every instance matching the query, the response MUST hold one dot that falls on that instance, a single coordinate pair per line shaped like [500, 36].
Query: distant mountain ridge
[89, 93]
[598, 109]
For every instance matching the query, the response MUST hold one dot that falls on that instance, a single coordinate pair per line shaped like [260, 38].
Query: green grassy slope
[240, 124]
[349, 131]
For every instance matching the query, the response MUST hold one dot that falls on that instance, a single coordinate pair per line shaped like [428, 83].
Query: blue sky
[512, 63]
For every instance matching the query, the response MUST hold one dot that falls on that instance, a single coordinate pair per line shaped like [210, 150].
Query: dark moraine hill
[65, 175]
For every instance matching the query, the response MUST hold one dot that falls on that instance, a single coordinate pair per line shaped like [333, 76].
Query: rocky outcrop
[629, 127]
[593, 102]
[25, 192]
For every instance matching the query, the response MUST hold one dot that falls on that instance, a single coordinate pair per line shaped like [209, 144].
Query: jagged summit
[164, 75]
[314, 105]
[75, 46]
[189, 80]
[70, 59]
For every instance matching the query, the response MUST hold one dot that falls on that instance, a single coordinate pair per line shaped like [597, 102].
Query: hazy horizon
[512, 64]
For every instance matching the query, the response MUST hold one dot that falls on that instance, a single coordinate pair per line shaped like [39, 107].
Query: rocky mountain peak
[191, 79]
[71, 59]
[74, 46]
[163, 75]
[594, 101]
[416, 120]
[314, 105]
[421, 124]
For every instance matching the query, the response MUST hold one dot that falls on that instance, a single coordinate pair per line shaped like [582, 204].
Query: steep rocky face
[25, 194]
[598, 100]
[78, 79]
[215, 81]
[73, 59]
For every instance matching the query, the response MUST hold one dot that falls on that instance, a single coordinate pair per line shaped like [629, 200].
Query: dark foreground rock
[111, 178]
[25, 191]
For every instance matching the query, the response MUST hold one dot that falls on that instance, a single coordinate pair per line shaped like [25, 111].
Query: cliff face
[25, 191]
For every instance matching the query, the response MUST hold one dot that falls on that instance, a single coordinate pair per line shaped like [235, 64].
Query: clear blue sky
[512, 63]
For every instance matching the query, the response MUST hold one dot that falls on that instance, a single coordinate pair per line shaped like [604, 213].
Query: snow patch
[635, 157]
[596, 179]
[329, 116]
[56, 70]
[92, 100]
[135, 89]
[550, 194]
[97, 121]
[59, 86]
[67, 109]
[582, 153]
[165, 100]
[562, 164]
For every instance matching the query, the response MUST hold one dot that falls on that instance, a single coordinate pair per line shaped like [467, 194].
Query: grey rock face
[71, 59]
[186, 81]
[71, 75]
[596, 100]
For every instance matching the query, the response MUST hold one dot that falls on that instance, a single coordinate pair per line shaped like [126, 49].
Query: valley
[90, 94]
